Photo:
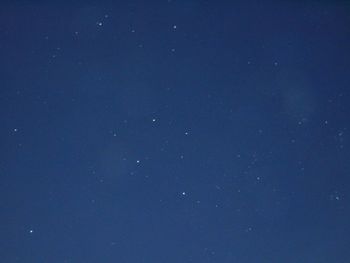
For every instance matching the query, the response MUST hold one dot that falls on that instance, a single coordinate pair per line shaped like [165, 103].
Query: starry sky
[174, 131]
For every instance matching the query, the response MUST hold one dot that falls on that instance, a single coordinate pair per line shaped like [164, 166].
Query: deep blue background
[175, 131]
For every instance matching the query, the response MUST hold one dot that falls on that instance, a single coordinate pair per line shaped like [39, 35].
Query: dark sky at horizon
[175, 131]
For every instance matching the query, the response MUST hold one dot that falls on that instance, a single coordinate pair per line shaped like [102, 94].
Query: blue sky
[174, 131]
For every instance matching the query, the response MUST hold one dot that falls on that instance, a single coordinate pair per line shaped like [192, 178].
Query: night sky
[175, 131]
